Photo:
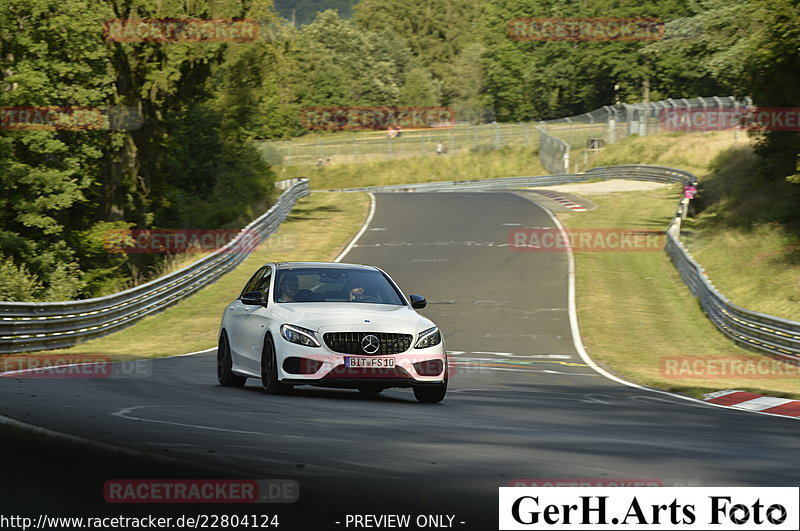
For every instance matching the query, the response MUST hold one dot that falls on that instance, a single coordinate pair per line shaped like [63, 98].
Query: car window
[335, 285]
[263, 281]
[259, 281]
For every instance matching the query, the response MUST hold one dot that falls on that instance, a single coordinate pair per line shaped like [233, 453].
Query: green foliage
[190, 164]
[104, 272]
[750, 47]
[344, 65]
[53, 55]
[16, 282]
[438, 33]
[549, 79]
[217, 174]
[420, 89]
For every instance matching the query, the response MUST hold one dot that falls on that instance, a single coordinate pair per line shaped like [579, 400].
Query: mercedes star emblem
[370, 344]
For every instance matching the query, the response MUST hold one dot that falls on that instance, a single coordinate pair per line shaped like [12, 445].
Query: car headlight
[299, 335]
[429, 338]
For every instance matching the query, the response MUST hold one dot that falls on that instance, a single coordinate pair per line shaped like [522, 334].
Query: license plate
[369, 363]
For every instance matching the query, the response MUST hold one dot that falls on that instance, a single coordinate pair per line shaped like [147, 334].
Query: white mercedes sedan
[330, 325]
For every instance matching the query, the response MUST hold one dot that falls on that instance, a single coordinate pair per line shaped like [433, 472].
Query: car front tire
[431, 394]
[225, 374]
[269, 371]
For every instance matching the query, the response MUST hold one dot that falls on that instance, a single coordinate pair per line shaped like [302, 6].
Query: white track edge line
[360, 232]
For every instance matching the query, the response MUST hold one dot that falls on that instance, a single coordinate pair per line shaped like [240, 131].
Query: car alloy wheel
[225, 374]
[269, 370]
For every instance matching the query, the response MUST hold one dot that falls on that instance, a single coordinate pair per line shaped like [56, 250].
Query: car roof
[327, 265]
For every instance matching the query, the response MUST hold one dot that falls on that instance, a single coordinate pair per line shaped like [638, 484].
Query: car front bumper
[323, 367]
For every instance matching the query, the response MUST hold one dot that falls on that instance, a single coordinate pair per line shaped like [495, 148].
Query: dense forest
[184, 158]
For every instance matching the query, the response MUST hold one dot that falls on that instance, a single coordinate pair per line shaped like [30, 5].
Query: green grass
[318, 228]
[694, 152]
[755, 220]
[634, 311]
[363, 146]
[505, 162]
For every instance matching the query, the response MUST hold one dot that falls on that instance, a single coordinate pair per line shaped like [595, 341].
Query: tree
[420, 89]
[435, 31]
[64, 188]
[749, 47]
[52, 56]
[346, 65]
[549, 79]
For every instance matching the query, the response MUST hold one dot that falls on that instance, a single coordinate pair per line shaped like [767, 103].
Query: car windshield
[320, 284]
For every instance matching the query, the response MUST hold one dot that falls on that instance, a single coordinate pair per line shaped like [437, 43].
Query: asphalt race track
[521, 404]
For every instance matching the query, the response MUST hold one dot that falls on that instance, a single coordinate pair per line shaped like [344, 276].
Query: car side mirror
[418, 301]
[254, 298]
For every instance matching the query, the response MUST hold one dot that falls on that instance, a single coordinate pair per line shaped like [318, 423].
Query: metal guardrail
[756, 331]
[631, 172]
[478, 184]
[553, 152]
[31, 326]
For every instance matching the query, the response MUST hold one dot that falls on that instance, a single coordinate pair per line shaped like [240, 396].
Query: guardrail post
[688, 114]
[719, 112]
[612, 124]
[643, 112]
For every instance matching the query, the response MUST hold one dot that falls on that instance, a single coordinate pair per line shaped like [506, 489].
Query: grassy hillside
[635, 313]
[747, 231]
[505, 162]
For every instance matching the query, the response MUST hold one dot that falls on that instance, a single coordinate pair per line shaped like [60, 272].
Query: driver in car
[356, 294]
[288, 289]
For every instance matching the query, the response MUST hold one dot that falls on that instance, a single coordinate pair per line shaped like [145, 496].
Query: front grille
[350, 342]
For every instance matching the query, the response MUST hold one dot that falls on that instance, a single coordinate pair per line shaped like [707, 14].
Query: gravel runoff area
[604, 187]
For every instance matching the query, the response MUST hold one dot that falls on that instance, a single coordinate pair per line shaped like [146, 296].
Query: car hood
[322, 316]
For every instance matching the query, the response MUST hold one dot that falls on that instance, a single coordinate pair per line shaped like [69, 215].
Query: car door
[246, 323]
